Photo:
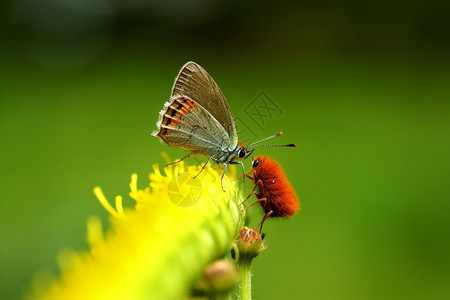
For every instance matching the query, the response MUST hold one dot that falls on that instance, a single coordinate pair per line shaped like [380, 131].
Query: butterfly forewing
[194, 82]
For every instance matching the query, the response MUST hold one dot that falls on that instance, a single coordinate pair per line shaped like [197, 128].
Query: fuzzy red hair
[273, 185]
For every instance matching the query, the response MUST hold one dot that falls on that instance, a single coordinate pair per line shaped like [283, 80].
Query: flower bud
[249, 243]
[220, 277]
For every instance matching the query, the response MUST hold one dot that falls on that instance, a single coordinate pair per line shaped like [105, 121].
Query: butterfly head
[243, 152]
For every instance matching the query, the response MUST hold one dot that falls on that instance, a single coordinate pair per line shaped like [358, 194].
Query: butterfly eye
[241, 153]
[255, 163]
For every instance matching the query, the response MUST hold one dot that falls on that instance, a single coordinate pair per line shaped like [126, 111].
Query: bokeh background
[363, 87]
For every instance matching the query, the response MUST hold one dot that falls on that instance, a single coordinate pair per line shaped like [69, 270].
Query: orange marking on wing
[164, 130]
[179, 108]
[175, 122]
[186, 105]
[176, 110]
[170, 121]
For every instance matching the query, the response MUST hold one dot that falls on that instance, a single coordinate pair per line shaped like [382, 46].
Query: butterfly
[197, 118]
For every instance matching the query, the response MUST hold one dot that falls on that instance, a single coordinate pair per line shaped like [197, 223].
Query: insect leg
[180, 160]
[243, 170]
[202, 167]
[262, 222]
[252, 192]
[223, 174]
[257, 201]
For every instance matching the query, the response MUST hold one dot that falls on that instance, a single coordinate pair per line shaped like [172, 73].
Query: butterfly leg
[202, 167]
[262, 222]
[243, 171]
[223, 174]
[180, 160]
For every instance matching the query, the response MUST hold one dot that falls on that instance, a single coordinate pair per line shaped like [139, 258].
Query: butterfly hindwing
[187, 125]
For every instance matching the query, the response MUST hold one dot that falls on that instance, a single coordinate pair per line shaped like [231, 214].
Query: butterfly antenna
[287, 145]
[254, 145]
[267, 138]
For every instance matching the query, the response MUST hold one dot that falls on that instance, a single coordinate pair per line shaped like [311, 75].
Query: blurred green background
[363, 87]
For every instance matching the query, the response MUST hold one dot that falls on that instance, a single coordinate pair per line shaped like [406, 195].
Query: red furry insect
[275, 193]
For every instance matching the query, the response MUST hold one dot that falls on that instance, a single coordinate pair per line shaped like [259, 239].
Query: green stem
[246, 279]
[222, 297]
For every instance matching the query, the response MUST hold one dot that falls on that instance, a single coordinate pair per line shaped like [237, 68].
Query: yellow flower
[158, 249]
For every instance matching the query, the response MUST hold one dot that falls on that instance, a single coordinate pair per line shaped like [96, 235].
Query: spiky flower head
[157, 249]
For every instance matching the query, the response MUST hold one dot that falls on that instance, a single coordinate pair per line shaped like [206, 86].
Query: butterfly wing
[185, 124]
[194, 82]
